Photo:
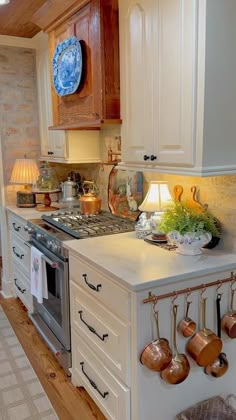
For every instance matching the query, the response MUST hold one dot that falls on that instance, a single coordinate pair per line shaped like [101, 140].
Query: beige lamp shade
[157, 199]
[25, 171]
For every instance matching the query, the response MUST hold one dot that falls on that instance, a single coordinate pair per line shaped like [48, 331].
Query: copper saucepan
[187, 326]
[220, 365]
[204, 347]
[228, 322]
[157, 354]
[178, 369]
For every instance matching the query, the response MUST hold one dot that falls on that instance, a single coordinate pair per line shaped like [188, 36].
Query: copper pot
[228, 322]
[90, 203]
[220, 365]
[157, 354]
[187, 326]
[204, 347]
[178, 369]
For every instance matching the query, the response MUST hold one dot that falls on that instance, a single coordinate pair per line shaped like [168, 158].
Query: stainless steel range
[48, 235]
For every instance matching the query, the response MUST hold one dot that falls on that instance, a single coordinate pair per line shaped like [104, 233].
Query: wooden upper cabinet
[97, 100]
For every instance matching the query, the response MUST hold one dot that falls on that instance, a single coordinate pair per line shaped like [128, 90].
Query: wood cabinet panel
[97, 99]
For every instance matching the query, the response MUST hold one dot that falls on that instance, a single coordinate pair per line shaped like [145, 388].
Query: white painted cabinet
[107, 340]
[178, 91]
[58, 145]
[20, 260]
[100, 335]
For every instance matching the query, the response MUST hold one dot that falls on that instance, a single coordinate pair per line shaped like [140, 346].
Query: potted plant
[188, 228]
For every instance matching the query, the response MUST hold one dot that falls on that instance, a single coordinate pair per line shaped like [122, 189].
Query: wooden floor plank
[69, 402]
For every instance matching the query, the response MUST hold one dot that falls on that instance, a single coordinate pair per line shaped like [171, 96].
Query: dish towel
[39, 287]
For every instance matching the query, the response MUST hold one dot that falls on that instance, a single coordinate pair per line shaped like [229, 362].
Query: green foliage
[184, 219]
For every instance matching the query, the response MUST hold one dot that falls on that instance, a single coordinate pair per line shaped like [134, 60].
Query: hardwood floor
[69, 402]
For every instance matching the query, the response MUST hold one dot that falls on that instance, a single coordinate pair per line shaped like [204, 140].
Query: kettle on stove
[90, 203]
[69, 190]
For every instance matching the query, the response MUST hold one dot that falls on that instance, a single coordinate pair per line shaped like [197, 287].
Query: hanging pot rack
[154, 298]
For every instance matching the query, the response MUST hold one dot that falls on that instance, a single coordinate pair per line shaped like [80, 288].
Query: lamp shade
[157, 198]
[25, 171]
[4, 2]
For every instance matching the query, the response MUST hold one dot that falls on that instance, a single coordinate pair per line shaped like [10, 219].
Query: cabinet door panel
[136, 79]
[82, 105]
[51, 141]
[175, 63]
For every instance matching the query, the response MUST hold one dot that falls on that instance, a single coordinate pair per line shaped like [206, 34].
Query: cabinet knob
[50, 152]
[146, 157]
[153, 157]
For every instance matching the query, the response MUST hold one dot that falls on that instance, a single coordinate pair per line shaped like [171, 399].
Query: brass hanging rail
[154, 298]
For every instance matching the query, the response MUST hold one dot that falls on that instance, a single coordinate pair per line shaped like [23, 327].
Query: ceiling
[15, 18]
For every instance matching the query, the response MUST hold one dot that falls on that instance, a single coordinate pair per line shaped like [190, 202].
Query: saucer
[150, 238]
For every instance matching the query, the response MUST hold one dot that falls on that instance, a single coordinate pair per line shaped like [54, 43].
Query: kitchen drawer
[17, 225]
[89, 372]
[100, 286]
[21, 287]
[104, 332]
[20, 253]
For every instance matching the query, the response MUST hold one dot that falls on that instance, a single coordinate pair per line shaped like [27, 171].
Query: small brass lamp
[25, 172]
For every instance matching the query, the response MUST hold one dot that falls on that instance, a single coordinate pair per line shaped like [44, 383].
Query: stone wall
[18, 109]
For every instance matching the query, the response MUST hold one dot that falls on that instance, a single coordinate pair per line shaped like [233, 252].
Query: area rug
[21, 395]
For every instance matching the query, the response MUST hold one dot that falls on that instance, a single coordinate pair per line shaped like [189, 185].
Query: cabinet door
[174, 59]
[52, 142]
[84, 104]
[136, 57]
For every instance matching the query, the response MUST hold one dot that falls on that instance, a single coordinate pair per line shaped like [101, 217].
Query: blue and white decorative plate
[67, 66]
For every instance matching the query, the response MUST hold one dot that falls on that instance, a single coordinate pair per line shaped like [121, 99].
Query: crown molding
[15, 41]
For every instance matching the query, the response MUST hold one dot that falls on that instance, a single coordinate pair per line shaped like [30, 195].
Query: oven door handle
[52, 264]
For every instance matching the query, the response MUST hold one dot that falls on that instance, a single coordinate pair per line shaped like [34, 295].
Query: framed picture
[125, 192]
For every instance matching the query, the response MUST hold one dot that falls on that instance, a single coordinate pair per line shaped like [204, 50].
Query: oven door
[55, 311]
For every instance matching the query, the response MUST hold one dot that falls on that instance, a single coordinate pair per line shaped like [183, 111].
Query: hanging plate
[67, 66]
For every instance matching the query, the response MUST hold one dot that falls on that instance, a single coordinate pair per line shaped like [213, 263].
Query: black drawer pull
[103, 394]
[16, 228]
[18, 287]
[153, 157]
[16, 253]
[102, 338]
[146, 157]
[95, 288]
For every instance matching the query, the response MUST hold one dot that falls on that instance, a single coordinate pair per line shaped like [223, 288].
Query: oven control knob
[39, 236]
[50, 244]
[29, 229]
[55, 247]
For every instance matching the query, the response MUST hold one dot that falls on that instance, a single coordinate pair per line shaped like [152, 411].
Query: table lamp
[156, 201]
[25, 171]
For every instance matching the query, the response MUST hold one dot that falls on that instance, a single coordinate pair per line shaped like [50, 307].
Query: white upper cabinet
[178, 90]
[52, 142]
[136, 79]
[58, 145]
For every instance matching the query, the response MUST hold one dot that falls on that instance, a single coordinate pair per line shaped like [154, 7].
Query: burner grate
[83, 226]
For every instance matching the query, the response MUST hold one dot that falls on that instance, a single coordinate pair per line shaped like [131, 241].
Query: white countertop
[139, 265]
[32, 213]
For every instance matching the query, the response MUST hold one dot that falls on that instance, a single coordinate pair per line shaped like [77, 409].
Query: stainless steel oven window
[55, 310]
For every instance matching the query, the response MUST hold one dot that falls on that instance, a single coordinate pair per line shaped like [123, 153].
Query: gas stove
[81, 226]
[52, 230]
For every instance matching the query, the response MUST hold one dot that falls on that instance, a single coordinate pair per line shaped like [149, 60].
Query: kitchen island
[110, 276]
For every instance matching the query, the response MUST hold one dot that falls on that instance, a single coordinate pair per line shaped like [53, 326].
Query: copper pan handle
[232, 300]
[157, 324]
[188, 303]
[204, 314]
[175, 309]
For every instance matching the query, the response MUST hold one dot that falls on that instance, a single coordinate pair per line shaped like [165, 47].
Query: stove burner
[83, 226]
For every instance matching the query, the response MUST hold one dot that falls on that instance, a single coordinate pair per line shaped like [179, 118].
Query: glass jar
[47, 179]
